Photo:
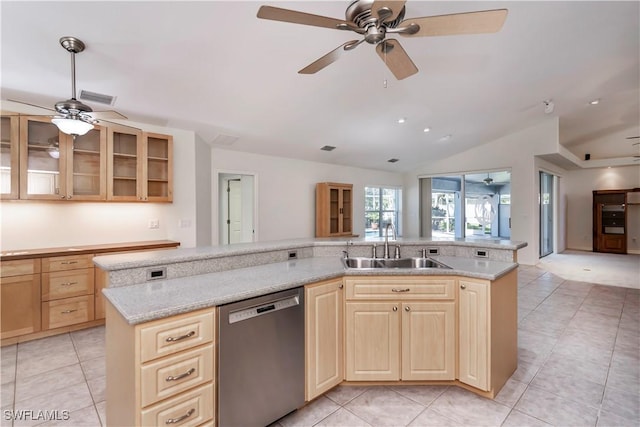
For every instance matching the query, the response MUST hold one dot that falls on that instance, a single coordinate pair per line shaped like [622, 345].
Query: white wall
[579, 186]
[515, 152]
[286, 191]
[37, 224]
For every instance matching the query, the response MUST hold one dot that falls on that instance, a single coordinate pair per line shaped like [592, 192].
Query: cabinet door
[125, 164]
[428, 341]
[43, 159]
[87, 166]
[346, 208]
[473, 304]
[373, 341]
[324, 337]
[20, 305]
[158, 170]
[9, 159]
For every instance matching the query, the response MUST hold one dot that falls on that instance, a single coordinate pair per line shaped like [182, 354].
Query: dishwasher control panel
[266, 308]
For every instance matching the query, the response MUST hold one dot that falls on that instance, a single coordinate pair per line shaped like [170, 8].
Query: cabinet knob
[463, 286]
[63, 196]
[407, 308]
[395, 308]
[340, 286]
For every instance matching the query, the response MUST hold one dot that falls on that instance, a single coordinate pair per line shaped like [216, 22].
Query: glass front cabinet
[57, 166]
[9, 155]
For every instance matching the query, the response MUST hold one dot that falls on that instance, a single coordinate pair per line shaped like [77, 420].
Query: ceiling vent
[392, 160]
[100, 98]
[223, 139]
[328, 148]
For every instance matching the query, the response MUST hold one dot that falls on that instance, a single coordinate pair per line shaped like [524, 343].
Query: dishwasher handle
[264, 308]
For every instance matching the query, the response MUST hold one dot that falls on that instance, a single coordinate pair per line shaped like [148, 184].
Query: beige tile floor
[579, 365]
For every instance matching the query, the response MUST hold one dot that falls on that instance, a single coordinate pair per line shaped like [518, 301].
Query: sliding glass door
[546, 200]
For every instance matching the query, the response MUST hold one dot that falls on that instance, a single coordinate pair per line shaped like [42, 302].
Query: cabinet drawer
[389, 288]
[65, 284]
[163, 338]
[68, 311]
[188, 409]
[72, 262]
[169, 376]
[19, 267]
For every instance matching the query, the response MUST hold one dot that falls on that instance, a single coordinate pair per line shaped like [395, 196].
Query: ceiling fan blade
[387, 10]
[109, 114]
[396, 59]
[295, 17]
[46, 111]
[486, 21]
[329, 58]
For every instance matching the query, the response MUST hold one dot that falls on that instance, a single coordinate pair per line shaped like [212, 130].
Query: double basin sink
[410, 263]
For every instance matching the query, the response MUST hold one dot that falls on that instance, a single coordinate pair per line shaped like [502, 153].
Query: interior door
[234, 222]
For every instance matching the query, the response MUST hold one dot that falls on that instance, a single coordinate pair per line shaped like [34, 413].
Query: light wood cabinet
[125, 166]
[324, 336]
[488, 332]
[161, 372]
[140, 166]
[55, 166]
[406, 337]
[9, 156]
[19, 297]
[158, 171]
[334, 209]
[67, 290]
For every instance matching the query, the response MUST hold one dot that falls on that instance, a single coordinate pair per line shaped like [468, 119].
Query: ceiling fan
[374, 19]
[72, 116]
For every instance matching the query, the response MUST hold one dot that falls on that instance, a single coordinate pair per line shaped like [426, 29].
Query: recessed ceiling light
[402, 120]
[392, 160]
[328, 148]
[594, 102]
[425, 130]
[446, 137]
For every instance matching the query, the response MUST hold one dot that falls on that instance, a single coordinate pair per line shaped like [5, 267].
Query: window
[381, 206]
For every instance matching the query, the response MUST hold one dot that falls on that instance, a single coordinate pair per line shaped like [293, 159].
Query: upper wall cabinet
[159, 167]
[9, 157]
[125, 165]
[140, 166]
[114, 163]
[56, 166]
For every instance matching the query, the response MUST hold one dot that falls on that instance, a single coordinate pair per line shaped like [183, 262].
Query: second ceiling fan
[374, 19]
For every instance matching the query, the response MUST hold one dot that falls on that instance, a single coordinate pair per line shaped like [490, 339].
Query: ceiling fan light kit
[375, 19]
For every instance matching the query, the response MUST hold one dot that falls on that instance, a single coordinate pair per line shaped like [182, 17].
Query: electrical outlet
[154, 223]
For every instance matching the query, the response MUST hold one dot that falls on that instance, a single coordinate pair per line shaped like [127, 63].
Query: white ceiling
[215, 68]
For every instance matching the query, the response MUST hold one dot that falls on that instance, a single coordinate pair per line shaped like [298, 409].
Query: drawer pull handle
[68, 262]
[68, 283]
[181, 418]
[181, 337]
[181, 376]
[68, 311]
[400, 290]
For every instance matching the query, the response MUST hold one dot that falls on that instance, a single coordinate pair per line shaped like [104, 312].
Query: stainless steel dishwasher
[261, 359]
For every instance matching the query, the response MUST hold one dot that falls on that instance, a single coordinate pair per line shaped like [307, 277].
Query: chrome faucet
[386, 239]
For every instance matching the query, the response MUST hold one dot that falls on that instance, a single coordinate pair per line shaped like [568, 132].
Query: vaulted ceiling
[215, 68]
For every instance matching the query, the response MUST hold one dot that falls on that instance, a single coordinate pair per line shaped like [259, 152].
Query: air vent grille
[393, 160]
[100, 98]
[328, 148]
[223, 139]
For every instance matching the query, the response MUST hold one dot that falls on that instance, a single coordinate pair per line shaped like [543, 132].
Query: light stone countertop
[163, 298]
[181, 255]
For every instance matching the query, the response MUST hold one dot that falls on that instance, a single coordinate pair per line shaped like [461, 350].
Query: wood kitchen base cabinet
[410, 338]
[161, 372]
[324, 336]
[445, 329]
[19, 297]
[488, 336]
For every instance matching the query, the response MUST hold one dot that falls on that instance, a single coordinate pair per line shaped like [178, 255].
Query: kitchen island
[388, 326]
